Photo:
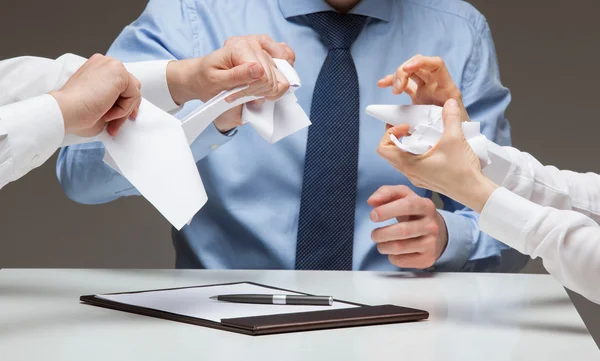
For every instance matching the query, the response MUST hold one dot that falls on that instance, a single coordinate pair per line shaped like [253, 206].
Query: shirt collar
[377, 9]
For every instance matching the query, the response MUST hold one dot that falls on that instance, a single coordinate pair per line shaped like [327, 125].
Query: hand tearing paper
[272, 120]
[153, 151]
[426, 128]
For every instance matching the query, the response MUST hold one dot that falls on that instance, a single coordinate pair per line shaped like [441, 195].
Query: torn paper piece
[154, 156]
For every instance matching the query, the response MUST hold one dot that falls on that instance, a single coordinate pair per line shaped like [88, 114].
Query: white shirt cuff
[153, 76]
[35, 129]
[505, 216]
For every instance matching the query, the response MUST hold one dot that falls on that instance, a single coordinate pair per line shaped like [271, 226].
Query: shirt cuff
[35, 129]
[153, 76]
[460, 242]
[505, 216]
[210, 139]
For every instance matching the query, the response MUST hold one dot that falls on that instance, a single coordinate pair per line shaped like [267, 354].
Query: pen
[277, 299]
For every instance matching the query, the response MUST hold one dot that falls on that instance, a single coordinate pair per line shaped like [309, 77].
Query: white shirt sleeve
[568, 242]
[155, 89]
[30, 132]
[31, 123]
[549, 186]
[545, 212]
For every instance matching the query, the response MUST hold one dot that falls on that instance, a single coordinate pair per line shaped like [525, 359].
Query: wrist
[68, 111]
[477, 195]
[180, 80]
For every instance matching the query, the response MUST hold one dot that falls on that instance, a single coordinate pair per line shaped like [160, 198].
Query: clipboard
[357, 315]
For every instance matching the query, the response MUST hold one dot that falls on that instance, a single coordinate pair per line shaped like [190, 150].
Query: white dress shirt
[31, 122]
[548, 213]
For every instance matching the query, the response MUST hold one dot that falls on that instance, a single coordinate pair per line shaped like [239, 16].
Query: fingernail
[410, 64]
[374, 216]
[254, 71]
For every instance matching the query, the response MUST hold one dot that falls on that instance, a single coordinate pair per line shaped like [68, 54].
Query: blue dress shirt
[251, 218]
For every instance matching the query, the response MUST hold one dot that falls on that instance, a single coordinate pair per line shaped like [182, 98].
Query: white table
[472, 317]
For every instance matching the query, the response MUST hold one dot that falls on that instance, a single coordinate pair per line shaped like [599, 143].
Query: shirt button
[214, 146]
[35, 161]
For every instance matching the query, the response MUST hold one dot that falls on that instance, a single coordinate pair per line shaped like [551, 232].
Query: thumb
[242, 75]
[452, 115]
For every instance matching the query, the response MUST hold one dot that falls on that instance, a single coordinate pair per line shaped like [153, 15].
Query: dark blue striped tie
[327, 206]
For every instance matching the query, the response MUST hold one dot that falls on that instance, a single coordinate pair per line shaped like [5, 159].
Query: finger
[414, 260]
[273, 48]
[409, 206]
[132, 91]
[400, 231]
[113, 113]
[408, 246]
[398, 130]
[411, 88]
[386, 81]
[400, 81]
[417, 79]
[386, 148]
[136, 111]
[271, 70]
[434, 66]
[113, 127]
[122, 108]
[291, 55]
[283, 85]
[425, 76]
[386, 194]
[452, 116]
[255, 89]
[241, 75]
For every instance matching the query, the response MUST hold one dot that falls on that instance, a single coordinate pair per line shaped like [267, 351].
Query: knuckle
[432, 228]
[96, 56]
[437, 60]
[264, 38]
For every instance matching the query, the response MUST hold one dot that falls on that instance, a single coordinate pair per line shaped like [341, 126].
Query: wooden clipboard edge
[378, 315]
[93, 300]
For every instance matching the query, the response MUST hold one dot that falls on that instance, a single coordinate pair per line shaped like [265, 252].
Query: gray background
[548, 52]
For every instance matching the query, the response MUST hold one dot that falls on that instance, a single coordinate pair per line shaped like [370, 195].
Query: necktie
[328, 201]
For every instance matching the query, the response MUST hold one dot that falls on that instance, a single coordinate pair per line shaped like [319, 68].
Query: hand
[101, 92]
[244, 60]
[426, 80]
[450, 167]
[419, 238]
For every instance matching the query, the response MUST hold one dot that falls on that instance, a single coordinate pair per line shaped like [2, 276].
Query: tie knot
[338, 31]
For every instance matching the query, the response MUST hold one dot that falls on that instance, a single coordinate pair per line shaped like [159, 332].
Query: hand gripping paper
[153, 151]
[426, 128]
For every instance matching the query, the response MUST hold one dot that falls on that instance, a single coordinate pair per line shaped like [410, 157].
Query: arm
[567, 242]
[549, 186]
[165, 31]
[100, 92]
[162, 32]
[30, 132]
